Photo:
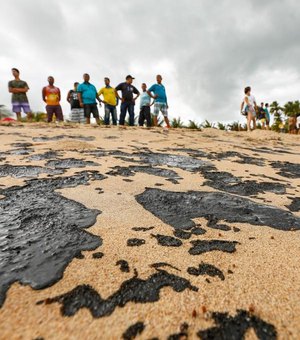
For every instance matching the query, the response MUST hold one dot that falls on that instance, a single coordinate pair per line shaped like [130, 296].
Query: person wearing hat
[127, 99]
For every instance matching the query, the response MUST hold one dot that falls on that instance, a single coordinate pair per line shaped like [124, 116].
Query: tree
[276, 110]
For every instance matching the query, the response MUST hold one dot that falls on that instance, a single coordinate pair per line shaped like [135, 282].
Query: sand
[261, 277]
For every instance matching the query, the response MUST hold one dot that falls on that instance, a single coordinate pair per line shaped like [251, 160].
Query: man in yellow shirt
[110, 102]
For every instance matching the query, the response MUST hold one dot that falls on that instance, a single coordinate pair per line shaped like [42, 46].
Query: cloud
[206, 51]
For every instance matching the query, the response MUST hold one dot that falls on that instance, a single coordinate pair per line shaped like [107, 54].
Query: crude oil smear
[133, 290]
[142, 228]
[182, 335]
[206, 269]
[26, 171]
[176, 161]
[44, 156]
[133, 331]
[295, 205]
[225, 181]
[163, 264]
[135, 242]
[42, 231]
[97, 255]
[179, 208]
[69, 163]
[124, 266]
[132, 170]
[55, 138]
[287, 169]
[167, 241]
[236, 327]
[204, 246]
[21, 145]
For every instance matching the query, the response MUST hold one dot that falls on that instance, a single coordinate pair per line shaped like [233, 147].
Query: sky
[207, 51]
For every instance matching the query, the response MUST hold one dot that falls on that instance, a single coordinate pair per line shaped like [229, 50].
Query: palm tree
[276, 110]
[177, 123]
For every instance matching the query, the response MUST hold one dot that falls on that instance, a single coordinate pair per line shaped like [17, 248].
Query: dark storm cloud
[207, 51]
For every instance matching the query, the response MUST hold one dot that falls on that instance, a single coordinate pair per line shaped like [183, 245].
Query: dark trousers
[54, 109]
[145, 114]
[110, 109]
[127, 106]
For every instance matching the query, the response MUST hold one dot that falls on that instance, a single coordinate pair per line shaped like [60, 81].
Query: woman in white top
[250, 108]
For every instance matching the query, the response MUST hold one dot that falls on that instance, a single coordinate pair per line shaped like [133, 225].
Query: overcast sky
[207, 51]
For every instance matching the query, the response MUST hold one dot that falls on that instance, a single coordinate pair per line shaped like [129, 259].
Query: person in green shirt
[19, 99]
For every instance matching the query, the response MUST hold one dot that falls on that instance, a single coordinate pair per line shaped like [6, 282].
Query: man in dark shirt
[77, 112]
[19, 99]
[128, 101]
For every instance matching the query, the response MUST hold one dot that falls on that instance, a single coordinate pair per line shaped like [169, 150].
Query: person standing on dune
[19, 99]
[249, 103]
[51, 96]
[158, 93]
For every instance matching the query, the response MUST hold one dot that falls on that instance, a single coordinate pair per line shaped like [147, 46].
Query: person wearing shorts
[87, 95]
[158, 93]
[51, 96]
[77, 113]
[249, 103]
[110, 102]
[262, 116]
[19, 99]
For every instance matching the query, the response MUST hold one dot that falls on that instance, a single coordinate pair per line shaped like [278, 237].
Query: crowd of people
[254, 113]
[83, 101]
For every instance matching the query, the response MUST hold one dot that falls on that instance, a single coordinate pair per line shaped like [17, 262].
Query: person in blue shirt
[158, 93]
[267, 116]
[87, 95]
[145, 103]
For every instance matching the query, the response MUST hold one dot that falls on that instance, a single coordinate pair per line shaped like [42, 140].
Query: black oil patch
[295, 205]
[179, 208]
[177, 161]
[26, 171]
[135, 242]
[143, 229]
[133, 331]
[184, 235]
[225, 181]
[167, 241]
[42, 231]
[163, 264]
[69, 163]
[204, 246]
[133, 290]
[98, 255]
[236, 327]
[182, 335]
[206, 269]
[60, 137]
[287, 169]
[22, 145]
[44, 156]
[124, 266]
[132, 170]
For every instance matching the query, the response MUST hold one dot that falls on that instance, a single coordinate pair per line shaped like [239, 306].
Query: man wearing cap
[128, 101]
